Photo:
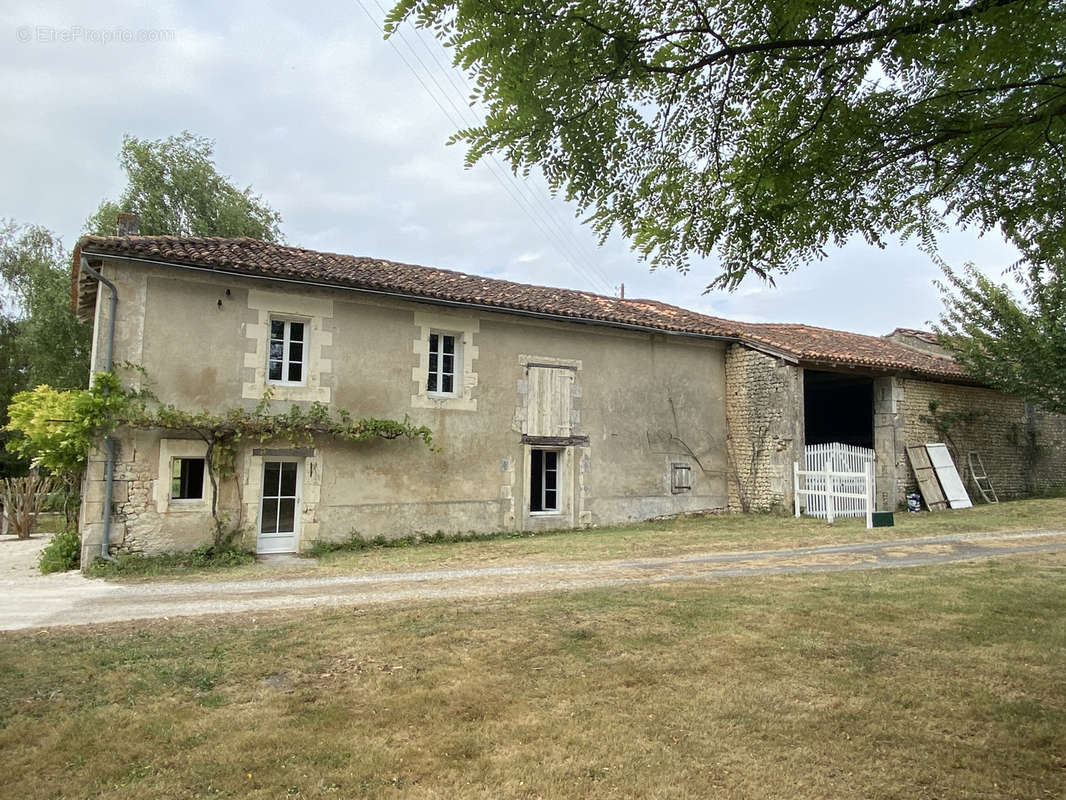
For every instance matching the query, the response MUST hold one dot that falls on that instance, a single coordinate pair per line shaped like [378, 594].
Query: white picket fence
[837, 481]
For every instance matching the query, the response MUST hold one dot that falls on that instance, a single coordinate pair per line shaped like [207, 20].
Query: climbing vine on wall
[945, 422]
[59, 427]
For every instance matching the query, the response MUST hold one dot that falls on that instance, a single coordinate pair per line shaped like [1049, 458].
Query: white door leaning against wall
[279, 510]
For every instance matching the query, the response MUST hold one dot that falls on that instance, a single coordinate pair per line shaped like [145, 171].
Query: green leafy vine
[60, 427]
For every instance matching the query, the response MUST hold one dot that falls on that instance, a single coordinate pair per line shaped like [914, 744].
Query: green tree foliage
[176, 190]
[41, 341]
[58, 427]
[763, 132]
[10, 382]
[47, 342]
[1015, 344]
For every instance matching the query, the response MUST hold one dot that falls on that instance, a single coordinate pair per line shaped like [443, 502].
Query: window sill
[553, 513]
[296, 384]
[186, 506]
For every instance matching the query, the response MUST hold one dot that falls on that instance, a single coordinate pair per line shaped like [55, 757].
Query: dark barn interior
[838, 407]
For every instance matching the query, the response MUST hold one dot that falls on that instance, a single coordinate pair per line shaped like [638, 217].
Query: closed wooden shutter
[548, 402]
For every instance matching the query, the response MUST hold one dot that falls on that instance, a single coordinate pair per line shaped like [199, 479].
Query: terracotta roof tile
[804, 343]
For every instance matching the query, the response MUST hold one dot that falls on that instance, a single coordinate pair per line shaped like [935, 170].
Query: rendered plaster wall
[643, 402]
[636, 404]
[1023, 448]
[764, 410]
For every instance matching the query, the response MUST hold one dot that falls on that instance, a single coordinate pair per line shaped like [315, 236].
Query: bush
[207, 556]
[356, 542]
[22, 499]
[62, 553]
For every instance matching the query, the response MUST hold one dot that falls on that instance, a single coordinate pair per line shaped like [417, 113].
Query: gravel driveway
[35, 600]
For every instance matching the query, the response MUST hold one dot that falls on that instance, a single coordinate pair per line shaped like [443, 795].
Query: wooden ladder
[980, 477]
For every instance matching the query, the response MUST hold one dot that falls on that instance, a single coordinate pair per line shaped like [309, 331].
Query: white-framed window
[443, 374]
[680, 478]
[544, 491]
[443, 352]
[187, 478]
[287, 352]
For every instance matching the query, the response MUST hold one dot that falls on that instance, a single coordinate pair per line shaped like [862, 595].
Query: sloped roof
[801, 343]
[926, 336]
[829, 347]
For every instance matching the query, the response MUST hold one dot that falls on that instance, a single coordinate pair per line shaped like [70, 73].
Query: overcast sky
[334, 128]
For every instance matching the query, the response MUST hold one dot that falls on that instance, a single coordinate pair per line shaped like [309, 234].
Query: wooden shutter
[926, 476]
[548, 402]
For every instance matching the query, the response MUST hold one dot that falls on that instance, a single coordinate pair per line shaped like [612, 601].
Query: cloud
[316, 112]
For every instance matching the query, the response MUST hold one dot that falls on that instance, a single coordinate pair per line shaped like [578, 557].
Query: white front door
[279, 510]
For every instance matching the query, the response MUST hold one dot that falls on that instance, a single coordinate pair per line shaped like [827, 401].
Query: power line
[593, 274]
[566, 230]
[524, 203]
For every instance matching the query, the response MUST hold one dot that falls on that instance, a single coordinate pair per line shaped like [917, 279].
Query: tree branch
[915, 28]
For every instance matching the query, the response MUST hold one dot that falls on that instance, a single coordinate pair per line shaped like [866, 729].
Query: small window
[441, 378]
[680, 478]
[543, 481]
[288, 344]
[187, 479]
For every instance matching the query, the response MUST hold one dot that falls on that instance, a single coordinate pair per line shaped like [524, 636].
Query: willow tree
[175, 188]
[762, 133]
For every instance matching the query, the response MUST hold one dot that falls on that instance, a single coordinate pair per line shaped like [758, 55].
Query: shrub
[23, 498]
[356, 542]
[207, 556]
[62, 553]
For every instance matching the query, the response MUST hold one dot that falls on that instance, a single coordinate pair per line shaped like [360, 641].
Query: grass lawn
[725, 532]
[942, 682]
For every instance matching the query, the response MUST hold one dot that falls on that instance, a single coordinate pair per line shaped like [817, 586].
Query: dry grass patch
[672, 537]
[922, 683]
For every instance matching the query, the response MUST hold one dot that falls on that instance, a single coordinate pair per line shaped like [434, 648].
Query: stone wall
[764, 413]
[1022, 447]
[144, 519]
[1048, 442]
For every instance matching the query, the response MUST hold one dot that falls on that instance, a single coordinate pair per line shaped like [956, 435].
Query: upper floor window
[444, 375]
[288, 348]
[442, 353]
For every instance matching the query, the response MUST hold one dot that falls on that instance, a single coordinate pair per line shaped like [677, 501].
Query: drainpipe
[109, 442]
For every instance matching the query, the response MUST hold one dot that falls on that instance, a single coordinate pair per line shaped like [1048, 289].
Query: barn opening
[838, 407]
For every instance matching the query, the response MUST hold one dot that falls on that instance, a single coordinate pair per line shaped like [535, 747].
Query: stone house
[550, 408]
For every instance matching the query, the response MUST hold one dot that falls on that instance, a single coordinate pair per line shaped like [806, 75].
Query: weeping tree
[175, 189]
[41, 341]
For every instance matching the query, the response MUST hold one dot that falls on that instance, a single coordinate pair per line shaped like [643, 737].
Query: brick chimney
[128, 224]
